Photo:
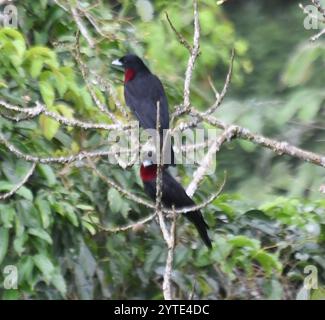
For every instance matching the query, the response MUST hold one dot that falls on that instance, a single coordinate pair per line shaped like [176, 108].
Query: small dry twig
[7, 195]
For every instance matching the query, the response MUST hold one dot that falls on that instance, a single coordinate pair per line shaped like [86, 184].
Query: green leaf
[85, 207]
[47, 92]
[25, 269]
[60, 83]
[49, 126]
[91, 229]
[269, 262]
[7, 215]
[25, 193]
[44, 210]
[4, 240]
[14, 42]
[45, 265]
[40, 233]
[48, 173]
[243, 241]
[42, 53]
[19, 243]
[66, 210]
[65, 110]
[59, 283]
[115, 200]
[3, 84]
[318, 294]
[11, 294]
[36, 67]
[299, 68]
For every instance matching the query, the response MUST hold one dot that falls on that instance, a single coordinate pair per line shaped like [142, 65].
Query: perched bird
[143, 91]
[172, 194]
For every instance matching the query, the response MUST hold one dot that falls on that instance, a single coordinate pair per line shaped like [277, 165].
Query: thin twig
[191, 61]
[208, 159]
[318, 35]
[20, 184]
[123, 191]
[81, 26]
[180, 37]
[127, 227]
[84, 72]
[220, 97]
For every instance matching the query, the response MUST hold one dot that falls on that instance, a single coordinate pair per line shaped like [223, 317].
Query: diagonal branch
[208, 159]
[279, 147]
[81, 26]
[84, 73]
[7, 195]
[220, 97]
[180, 37]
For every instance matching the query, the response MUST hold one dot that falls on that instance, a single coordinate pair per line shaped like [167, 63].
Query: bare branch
[61, 5]
[167, 287]
[220, 97]
[318, 35]
[41, 109]
[84, 72]
[208, 159]
[180, 37]
[158, 210]
[81, 26]
[61, 160]
[279, 147]
[29, 112]
[20, 184]
[191, 62]
[127, 227]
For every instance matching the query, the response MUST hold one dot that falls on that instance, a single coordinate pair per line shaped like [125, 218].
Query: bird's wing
[142, 95]
[174, 193]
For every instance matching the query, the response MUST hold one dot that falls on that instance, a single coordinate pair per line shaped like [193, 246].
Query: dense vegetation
[269, 222]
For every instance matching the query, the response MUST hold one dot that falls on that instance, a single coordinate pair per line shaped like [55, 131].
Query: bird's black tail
[197, 219]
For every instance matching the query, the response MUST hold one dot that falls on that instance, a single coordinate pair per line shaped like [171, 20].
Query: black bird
[173, 194]
[142, 91]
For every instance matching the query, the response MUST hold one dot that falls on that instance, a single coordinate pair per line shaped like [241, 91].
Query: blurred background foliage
[268, 224]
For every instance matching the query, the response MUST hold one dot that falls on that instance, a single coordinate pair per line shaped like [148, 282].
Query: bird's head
[132, 65]
[148, 171]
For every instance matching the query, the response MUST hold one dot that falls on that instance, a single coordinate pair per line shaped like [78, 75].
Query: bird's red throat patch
[129, 74]
[148, 173]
